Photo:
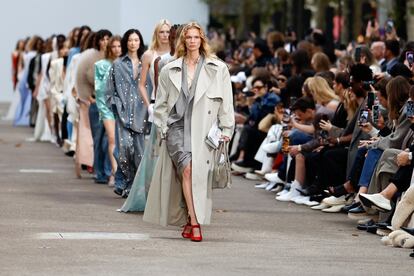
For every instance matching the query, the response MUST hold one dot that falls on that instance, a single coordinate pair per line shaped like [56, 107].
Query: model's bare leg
[188, 195]
[48, 113]
[110, 131]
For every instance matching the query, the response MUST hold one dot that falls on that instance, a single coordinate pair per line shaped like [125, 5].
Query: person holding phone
[381, 197]
[379, 151]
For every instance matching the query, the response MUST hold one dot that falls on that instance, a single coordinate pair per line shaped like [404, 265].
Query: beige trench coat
[213, 101]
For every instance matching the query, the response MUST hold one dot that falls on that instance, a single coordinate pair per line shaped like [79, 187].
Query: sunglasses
[281, 79]
[258, 87]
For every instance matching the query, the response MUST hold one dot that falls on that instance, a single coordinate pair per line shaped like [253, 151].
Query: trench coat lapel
[207, 74]
[175, 73]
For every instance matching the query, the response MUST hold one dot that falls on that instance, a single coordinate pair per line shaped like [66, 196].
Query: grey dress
[178, 140]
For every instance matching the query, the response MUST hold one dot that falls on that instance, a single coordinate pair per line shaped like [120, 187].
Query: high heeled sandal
[187, 231]
[196, 238]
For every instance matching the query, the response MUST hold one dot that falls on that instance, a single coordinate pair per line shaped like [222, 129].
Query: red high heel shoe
[196, 238]
[187, 231]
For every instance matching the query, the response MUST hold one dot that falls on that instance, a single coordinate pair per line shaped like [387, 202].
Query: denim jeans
[369, 167]
[296, 137]
[101, 162]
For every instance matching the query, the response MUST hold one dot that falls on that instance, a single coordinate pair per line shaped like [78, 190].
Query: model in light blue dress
[22, 115]
[102, 69]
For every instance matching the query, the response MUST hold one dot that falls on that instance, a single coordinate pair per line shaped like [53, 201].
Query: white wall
[19, 19]
[145, 14]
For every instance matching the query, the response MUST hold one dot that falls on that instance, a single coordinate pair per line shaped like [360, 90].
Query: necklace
[190, 62]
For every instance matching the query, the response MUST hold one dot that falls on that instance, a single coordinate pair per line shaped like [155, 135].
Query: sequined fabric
[102, 68]
[123, 97]
[129, 110]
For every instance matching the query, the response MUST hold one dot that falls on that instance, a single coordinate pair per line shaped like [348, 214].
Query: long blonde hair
[350, 104]
[181, 49]
[320, 90]
[155, 44]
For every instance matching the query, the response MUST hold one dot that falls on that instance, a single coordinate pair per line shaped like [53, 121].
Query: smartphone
[357, 55]
[409, 56]
[375, 113]
[363, 117]
[410, 109]
[370, 99]
[389, 27]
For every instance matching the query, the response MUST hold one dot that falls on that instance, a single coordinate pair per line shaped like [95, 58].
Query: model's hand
[225, 138]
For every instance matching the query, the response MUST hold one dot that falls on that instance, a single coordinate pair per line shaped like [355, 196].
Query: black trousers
[326, 168]
[250, 140]
[402, 178]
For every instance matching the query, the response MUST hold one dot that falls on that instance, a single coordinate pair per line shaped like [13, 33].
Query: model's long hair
[181, 49]
[320, 90]
[34, 44]
[124, 42]
[108, 52]
[398, 90]
[80, 35]
[155, 44]
[100, 35]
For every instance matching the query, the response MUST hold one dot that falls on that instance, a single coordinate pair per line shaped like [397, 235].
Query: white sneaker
[270, 186]
[291, 194]
[333, 209]
[334, 200]
[252, 176]
[273, 177]
[376, 201]
[300, 200]
[311, 203]
[260, 172]
[282, 192]
[261, 185]
[321, 206]
[240, 169]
